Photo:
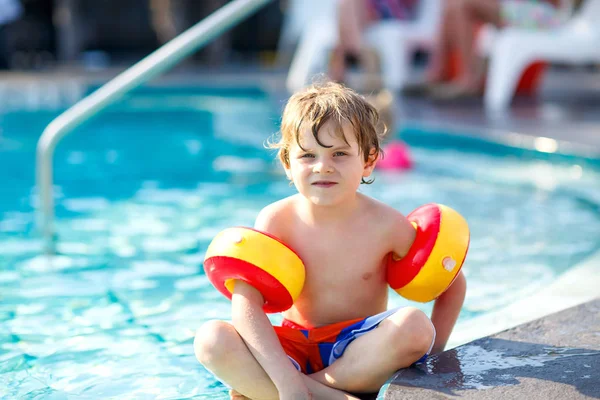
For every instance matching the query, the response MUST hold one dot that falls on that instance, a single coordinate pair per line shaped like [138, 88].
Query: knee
[413, 328]
[212, 341]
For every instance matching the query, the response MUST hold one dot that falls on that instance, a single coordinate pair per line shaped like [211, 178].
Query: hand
[294, 390]
[296, 395]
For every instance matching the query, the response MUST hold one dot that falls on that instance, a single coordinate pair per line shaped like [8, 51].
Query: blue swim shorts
[312, 350]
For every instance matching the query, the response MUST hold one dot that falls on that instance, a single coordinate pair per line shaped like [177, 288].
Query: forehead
[331, 133]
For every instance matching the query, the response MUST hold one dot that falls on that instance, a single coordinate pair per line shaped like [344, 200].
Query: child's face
[328, 175]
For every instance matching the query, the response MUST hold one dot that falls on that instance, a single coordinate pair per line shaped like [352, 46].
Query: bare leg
[167, 17]
[439, 56]
[440, 52]
[462, 16]
[457, 29]
[486, 11]
[371, 359]
[464, 26]
[465, 14]
[222, 351]
[352, 20]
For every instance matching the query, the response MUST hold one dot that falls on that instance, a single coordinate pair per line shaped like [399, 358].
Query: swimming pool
[143, 189]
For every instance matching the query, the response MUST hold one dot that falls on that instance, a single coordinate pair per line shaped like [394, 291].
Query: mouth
[324, 184]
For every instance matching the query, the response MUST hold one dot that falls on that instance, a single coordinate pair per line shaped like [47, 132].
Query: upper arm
[247, 291]
[266, 221]
[401, 233]
[460, 284]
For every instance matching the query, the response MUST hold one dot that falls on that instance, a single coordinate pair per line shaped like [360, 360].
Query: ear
[370, 164]
[288, 172]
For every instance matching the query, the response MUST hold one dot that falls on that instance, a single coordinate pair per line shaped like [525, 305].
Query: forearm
[321, 391]
[446, 310]
[257, 332]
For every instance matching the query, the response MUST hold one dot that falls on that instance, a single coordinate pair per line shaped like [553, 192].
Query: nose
[323, 167]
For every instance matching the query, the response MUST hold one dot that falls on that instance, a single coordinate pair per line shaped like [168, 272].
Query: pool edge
[585, 274]
[557, 356]
[576, 286]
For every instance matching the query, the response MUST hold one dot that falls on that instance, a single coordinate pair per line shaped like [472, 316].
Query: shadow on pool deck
[555, 357]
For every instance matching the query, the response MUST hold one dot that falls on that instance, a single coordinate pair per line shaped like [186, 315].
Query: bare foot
[233, 395]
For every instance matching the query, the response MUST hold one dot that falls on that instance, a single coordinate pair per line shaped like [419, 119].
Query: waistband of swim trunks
[291, 324]
[327, 333]
[339, 325]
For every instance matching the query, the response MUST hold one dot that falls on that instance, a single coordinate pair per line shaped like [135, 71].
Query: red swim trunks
[312, 350]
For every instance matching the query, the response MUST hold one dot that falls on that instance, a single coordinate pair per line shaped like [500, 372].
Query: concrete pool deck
[575, 286]
[555, 357]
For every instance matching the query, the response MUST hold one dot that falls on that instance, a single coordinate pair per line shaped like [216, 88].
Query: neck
[315, 214]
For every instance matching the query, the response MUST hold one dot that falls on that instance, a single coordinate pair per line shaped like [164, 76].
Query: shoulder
[274, 217]
[392, 224]
[380, 212]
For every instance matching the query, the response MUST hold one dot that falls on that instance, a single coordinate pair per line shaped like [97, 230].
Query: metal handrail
[152, 65]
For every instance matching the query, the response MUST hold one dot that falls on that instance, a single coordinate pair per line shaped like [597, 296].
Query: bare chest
[341, 257]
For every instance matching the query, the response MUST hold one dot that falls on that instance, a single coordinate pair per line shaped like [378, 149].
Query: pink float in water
[397, 156]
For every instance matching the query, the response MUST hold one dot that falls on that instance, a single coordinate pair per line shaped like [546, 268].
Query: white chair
[297, 16]
[577, 41]
[394, 41]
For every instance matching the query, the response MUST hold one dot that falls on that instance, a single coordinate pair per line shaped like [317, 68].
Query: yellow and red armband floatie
[259, 259]
[436, 256]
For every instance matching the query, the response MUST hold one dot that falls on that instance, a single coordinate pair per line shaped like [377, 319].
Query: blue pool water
[141, 191]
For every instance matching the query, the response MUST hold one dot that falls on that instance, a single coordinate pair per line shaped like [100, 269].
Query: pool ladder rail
[152, 65]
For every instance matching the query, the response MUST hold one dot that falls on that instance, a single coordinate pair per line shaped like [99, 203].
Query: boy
[338, 332]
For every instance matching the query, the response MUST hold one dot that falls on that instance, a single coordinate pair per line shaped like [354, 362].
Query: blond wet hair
[329, 102]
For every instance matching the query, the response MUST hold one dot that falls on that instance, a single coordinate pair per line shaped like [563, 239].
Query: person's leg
[440, 52]
[368, 361]
[221, 350]
[439, 55]
[464, 25]
[467, 14]
[353, 17]
[485, 11]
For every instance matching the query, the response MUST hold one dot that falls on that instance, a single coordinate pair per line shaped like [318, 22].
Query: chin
[324, 202]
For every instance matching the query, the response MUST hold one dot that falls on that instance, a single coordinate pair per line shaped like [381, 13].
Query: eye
[307, 155]
[339, 153]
